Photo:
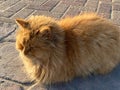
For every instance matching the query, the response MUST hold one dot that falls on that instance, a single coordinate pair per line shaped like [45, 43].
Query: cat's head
[37, 36]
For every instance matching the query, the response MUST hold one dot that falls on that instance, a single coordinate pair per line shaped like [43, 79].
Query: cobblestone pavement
[11, 68]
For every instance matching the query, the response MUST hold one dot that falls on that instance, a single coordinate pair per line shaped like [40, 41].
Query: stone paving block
[90, 6]
[5, 30]
[6, 20]
[11, 65]
[60, 8]
[116, 17]
[81, 2]
[106, 1]
[9, 86]
[88, 9]
[66, 0]
[1, 2]
[117, 1]
[74, 3]
[105, 15]
[46, 13]
[50, 4]
[5, 85]
[92, 2]
[14, 87]
[10, 38]
[6, 14]
[72, 11]
[7, 4]
[104, 7]
[116, 7]
[16, 7]
[34, 2]
[24, 13]
[32, 6]
[1, 24]
[47, 6]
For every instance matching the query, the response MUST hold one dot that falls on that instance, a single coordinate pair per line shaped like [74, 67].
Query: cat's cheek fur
[29, 65]
[49, 73]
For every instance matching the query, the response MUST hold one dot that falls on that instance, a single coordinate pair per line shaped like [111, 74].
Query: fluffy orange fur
[56, 51]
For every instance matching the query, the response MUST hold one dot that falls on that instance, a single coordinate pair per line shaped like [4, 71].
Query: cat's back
[69, 23]
[92, 43]
[90, 26]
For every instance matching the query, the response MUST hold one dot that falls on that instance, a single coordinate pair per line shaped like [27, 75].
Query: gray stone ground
[11, 68]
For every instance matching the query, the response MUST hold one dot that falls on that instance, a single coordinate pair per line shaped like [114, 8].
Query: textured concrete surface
[12, 75]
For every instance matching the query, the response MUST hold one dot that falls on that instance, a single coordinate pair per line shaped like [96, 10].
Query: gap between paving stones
[9, 33]
[23, 84]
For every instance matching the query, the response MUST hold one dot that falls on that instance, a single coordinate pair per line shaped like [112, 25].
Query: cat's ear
[22, 23]
[46, 33]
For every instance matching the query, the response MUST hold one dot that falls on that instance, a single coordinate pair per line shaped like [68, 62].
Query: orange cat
[55, 51]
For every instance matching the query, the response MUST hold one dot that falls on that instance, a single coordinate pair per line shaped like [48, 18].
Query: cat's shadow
[110, 81]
